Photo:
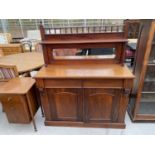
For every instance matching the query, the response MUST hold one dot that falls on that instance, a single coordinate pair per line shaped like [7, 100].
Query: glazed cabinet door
[101, 105]
[65, 104]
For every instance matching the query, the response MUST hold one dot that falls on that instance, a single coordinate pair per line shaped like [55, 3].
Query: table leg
[31, 113]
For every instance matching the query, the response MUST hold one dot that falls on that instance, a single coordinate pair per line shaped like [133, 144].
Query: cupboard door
[16, 109]
[147, 101]
[65, 104]
[101, 105]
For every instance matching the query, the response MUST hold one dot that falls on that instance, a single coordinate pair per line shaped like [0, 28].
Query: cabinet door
[16, 109]
[65, 104]
[101, 105]
[147, 101]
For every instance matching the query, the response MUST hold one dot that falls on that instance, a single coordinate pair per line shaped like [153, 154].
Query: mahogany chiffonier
[89, 88]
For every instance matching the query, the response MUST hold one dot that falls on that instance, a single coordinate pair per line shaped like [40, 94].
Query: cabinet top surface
[111, 71]
[17, 86]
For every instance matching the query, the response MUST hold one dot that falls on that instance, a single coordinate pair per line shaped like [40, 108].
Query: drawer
[62, 83]
[106, 83]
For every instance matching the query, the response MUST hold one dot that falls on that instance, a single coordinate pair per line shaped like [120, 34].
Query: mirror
[88, 53]
[152, 55]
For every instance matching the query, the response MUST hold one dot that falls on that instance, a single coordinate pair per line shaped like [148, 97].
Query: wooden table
[25, 62]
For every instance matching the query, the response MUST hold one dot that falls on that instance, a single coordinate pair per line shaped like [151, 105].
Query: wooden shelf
[84, 41]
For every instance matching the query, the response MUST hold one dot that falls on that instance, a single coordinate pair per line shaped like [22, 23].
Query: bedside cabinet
[19, 100]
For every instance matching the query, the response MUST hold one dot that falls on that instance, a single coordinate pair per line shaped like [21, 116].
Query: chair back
[8, 72]
[1, 53]
[9, 49]
[38, 47]
[6, 38]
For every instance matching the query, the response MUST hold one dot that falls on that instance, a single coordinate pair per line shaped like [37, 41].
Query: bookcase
[142, 100]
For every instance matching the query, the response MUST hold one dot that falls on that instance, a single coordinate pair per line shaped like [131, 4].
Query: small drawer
[106, 83]
[62, 83]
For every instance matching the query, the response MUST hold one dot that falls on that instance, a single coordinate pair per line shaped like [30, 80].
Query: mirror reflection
[152, 55]
[73, 53]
